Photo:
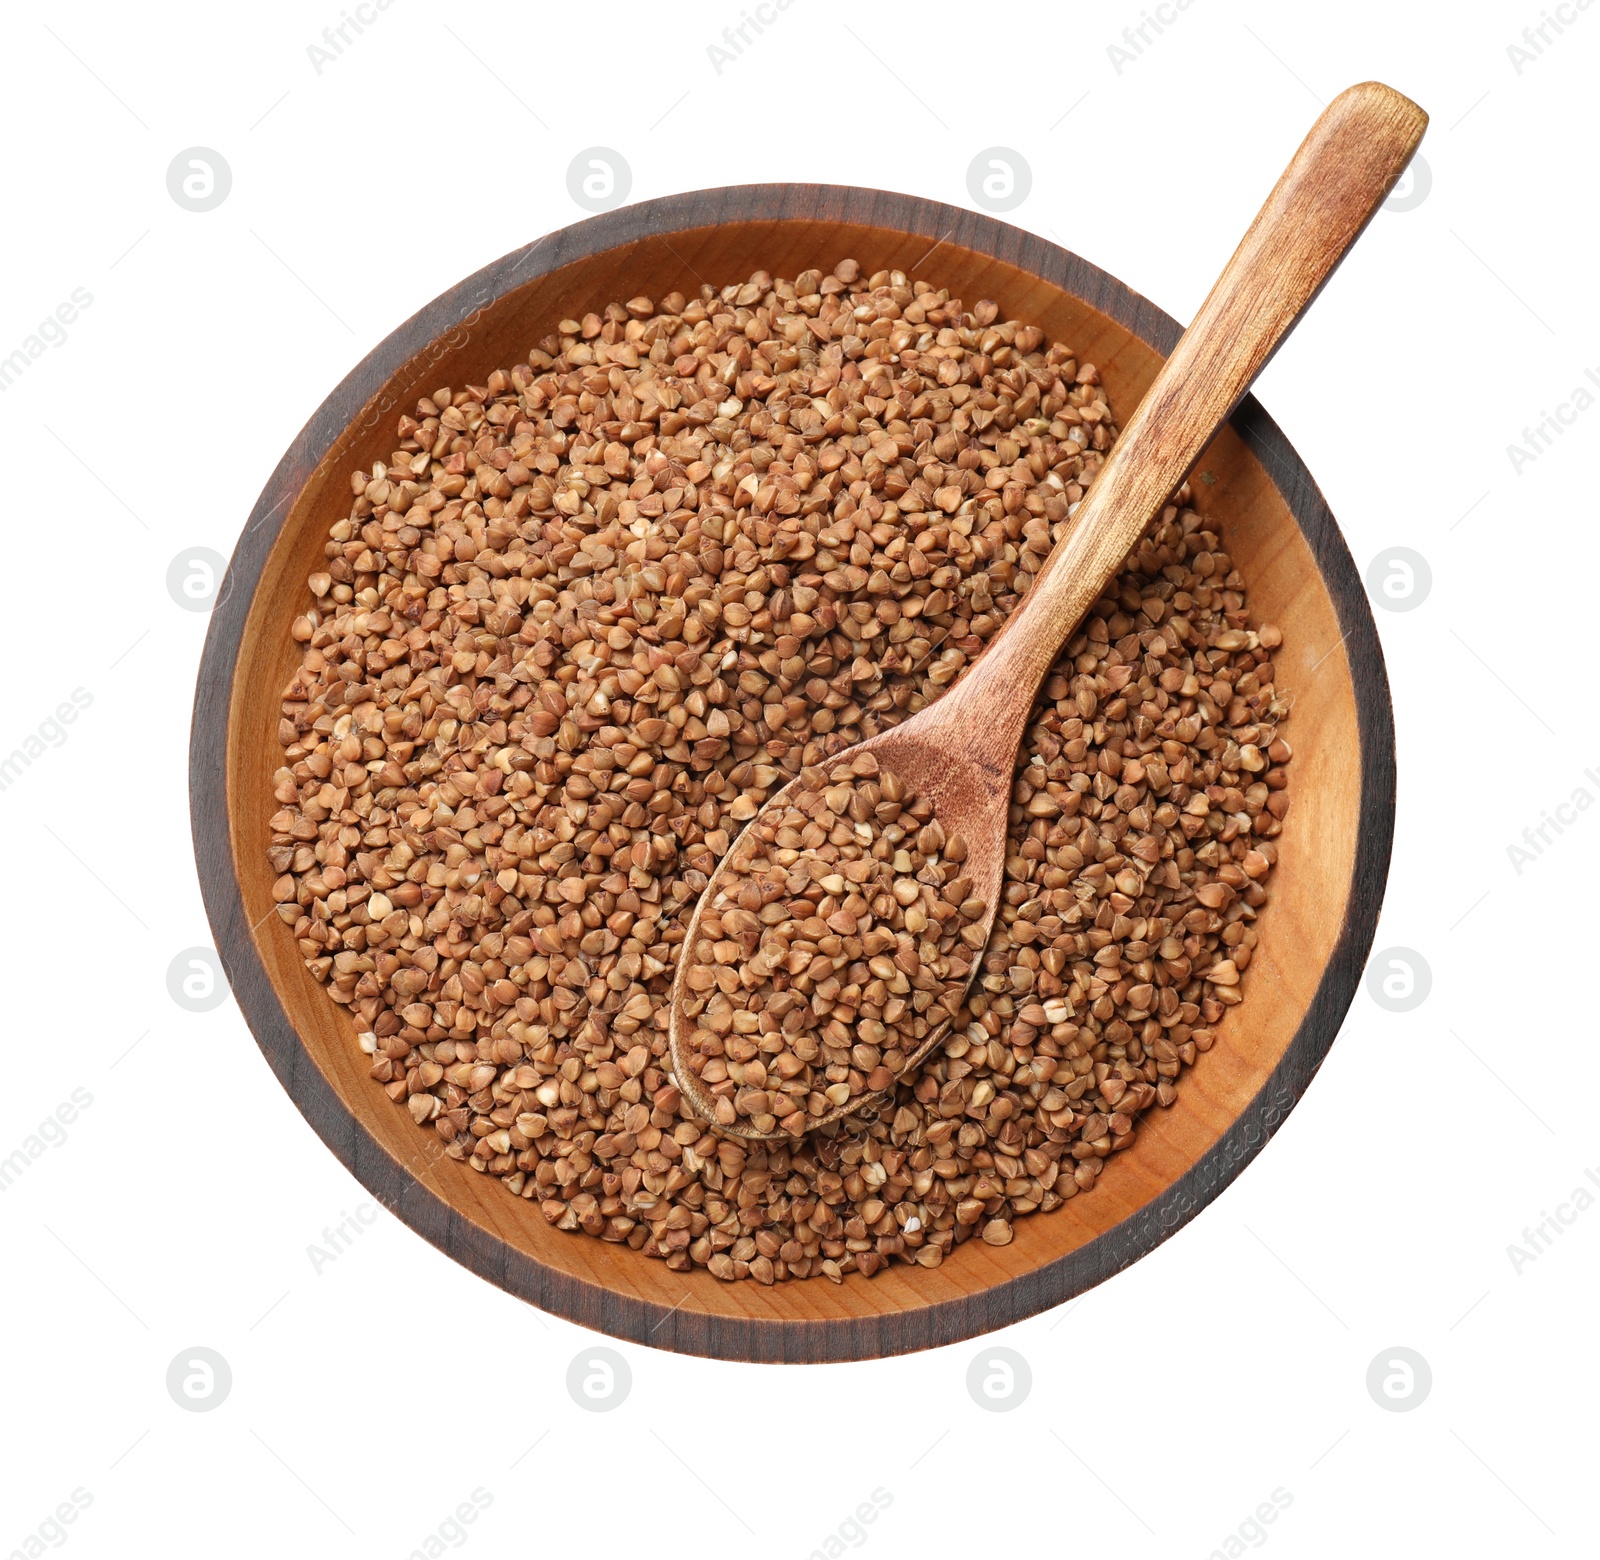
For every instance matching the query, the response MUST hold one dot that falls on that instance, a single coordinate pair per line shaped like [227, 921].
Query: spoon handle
[1337, 180]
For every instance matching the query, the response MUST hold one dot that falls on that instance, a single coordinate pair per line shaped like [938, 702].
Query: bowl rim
[629, 1317]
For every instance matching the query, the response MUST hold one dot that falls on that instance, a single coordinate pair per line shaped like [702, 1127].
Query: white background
[372, 1397]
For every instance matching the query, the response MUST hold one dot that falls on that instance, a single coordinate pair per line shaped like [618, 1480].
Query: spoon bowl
[970, 793]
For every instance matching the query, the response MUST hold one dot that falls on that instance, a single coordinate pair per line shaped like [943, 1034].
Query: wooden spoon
[960, 751]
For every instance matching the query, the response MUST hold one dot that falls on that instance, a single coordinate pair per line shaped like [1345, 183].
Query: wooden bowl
[1315, 935]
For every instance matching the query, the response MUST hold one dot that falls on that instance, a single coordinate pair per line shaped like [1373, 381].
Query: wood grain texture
[960, 752]
[1315, 936]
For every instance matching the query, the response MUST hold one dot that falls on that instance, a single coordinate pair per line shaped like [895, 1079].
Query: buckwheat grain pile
[590, 614]
[831, 952]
